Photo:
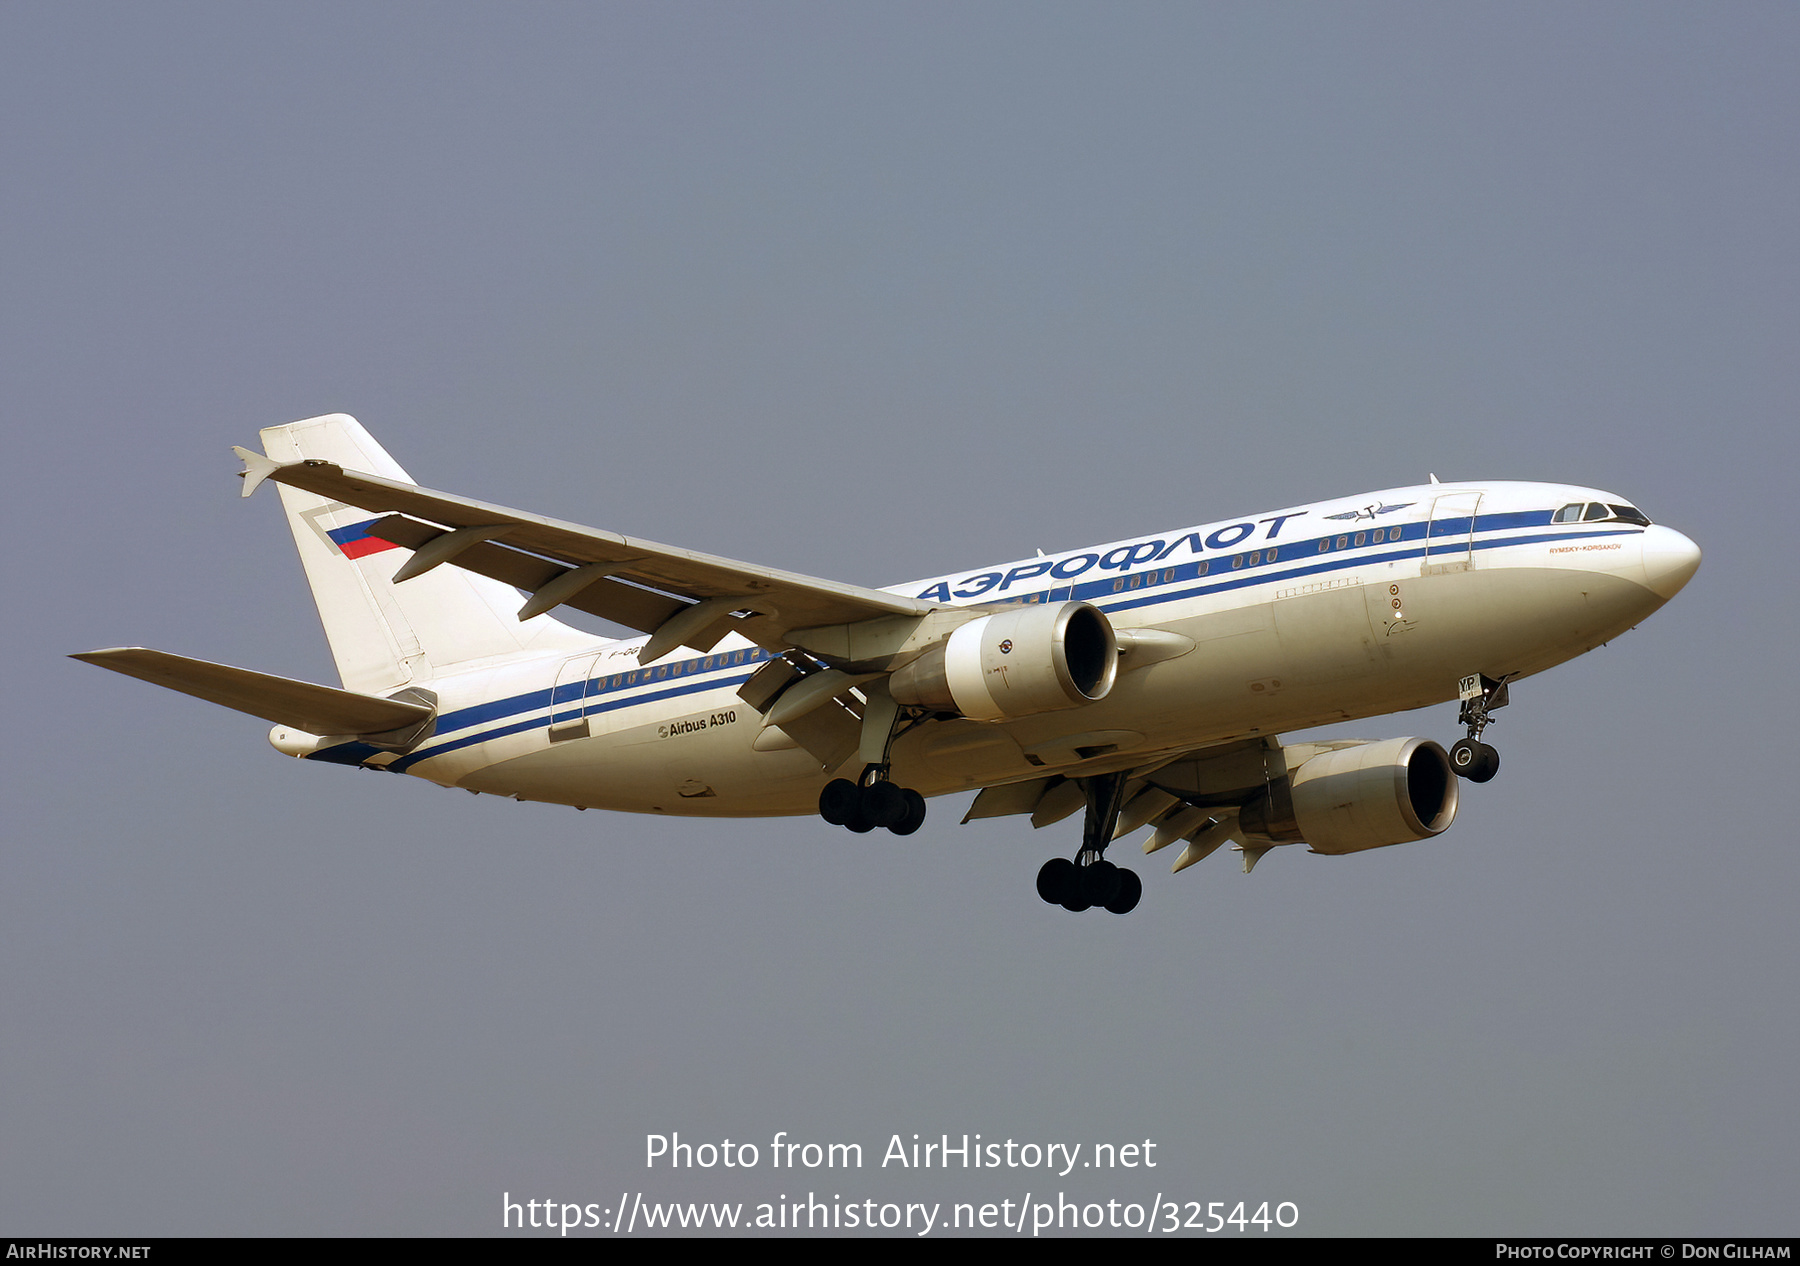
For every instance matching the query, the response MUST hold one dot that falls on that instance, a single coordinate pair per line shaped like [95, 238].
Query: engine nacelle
[1015, 663]
[1355, 798]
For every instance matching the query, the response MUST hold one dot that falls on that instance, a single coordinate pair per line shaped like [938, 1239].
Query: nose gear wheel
[1470, 757]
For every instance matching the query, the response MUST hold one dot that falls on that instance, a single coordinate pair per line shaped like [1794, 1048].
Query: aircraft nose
[1670, 560]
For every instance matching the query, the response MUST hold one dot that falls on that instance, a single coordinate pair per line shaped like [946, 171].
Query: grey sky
[878, 292]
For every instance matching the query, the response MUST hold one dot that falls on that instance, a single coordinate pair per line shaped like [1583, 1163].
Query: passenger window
[1343, 541]
[1361, 537]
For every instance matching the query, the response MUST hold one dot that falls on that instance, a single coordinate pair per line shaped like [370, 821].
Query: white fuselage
[1330, 612]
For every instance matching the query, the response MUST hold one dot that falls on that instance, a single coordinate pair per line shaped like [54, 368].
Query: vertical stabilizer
[384, 635]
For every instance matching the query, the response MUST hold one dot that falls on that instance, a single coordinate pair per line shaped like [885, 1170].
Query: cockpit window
[1594, 512]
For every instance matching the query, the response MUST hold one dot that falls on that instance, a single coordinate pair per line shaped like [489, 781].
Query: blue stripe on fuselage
[588, 710]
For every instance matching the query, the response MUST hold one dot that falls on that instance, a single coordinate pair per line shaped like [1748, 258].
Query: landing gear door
[1450, 536]
[568, 720]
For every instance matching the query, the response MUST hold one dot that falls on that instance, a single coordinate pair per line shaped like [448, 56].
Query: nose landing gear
[1470, 757]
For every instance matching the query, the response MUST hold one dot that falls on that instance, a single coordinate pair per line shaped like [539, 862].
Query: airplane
[1144, 683]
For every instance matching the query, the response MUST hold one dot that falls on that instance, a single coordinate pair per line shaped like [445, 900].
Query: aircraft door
[1450, 536]
[567, 697]
[1326, 635]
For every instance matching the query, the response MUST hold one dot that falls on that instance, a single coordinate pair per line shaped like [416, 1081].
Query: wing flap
[629, 605]
[301, 704]
[1006, 799]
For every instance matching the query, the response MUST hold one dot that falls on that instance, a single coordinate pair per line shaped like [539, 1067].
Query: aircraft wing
[1192, 798]
[1233, 792]
[677, 596]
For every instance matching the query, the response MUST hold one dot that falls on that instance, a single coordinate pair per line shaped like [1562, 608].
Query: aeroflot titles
[1120, 558]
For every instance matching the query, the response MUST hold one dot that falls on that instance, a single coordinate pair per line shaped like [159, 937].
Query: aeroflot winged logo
[1369, 512]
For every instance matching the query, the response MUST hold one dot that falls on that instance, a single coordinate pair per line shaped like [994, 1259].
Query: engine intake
[1015, 664]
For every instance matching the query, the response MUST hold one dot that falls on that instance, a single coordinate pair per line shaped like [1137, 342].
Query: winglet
[256, 469]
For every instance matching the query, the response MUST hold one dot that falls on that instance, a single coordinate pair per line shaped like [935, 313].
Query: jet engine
[1352, 798]
[1015, 663]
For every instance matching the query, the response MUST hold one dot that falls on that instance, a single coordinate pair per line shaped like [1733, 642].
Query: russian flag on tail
[355, 542]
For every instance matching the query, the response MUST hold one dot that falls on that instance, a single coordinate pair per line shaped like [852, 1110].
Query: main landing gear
[1090, 880]
[873, 800]
[1470, 757]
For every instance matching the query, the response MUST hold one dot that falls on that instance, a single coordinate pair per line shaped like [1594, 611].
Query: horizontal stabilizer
[301, 704]
[256, 469]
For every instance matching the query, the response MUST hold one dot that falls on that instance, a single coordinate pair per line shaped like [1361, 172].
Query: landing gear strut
[873, 800]
[1470, 757]
[1090, 880]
